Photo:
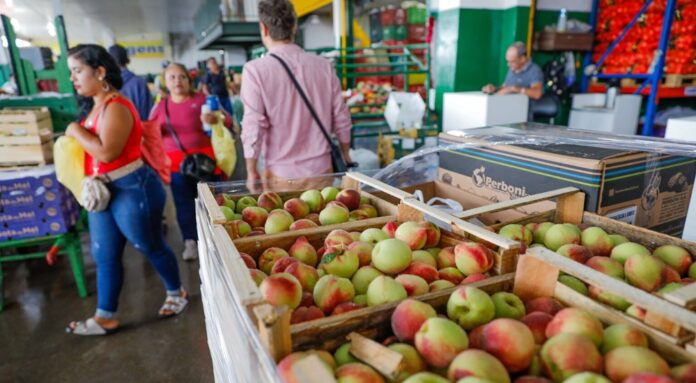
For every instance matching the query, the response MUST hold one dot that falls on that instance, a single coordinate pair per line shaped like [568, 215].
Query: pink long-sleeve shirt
[277, 122]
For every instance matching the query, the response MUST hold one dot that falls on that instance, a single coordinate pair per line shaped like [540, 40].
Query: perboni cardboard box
[650, 190]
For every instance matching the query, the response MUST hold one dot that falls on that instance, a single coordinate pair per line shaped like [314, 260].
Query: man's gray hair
[520, 48]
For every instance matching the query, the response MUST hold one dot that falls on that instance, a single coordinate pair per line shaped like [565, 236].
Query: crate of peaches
[499, 330]
[645, 260]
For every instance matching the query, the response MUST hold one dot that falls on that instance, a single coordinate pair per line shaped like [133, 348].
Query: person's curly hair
[280, 18]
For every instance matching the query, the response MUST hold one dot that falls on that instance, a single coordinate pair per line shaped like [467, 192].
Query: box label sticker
[627, 215]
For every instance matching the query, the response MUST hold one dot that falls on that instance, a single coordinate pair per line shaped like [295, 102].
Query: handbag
[198, 166]
[337, 161]
[95, 196]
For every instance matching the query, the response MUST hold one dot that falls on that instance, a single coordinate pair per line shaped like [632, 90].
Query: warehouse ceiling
[100, 20]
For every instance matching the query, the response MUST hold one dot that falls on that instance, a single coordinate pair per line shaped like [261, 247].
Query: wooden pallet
[21, 155]
[679, 80]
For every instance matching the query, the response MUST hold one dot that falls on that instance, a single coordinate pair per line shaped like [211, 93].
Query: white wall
[318, 32]
[140, 65]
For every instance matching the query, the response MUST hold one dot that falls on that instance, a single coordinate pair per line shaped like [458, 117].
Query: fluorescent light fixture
[21, 43]
[51, 29]
[221, 52]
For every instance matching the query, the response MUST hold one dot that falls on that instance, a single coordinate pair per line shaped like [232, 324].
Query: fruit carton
[569, 209]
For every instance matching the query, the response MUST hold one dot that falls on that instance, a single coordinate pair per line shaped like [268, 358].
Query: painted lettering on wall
[144, 49]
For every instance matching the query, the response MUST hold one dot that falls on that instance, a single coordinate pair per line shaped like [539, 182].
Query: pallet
[572, 212]
[679, 80]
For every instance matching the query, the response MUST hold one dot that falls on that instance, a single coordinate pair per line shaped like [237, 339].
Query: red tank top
[130, 153]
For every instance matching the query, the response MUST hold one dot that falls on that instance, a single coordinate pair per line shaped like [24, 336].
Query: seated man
[523, 77]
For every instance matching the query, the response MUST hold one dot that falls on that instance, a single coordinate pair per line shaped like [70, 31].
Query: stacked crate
[33, 204]
[26, 137]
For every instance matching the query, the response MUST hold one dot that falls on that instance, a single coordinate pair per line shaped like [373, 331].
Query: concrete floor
[42, 300]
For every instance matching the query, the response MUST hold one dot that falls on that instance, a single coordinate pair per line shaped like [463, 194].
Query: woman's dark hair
[96, 56]
[280, 18]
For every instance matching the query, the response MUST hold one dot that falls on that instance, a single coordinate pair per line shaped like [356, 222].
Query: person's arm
[255, 124]
[114, 129]
[342, 122]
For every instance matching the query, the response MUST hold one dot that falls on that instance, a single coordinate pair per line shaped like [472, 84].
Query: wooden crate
[34, 154]
[571, 211]
[678, 80]
[30, 121]
[386, 211]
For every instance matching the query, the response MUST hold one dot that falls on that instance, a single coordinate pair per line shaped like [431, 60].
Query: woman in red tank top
[110, 132]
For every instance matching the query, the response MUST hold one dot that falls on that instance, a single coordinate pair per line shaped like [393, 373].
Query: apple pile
[369, 268]
[270, 214]
[500, 339]
[663, 270]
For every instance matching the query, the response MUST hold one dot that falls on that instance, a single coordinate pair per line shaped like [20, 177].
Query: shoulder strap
[170, 127]
[95, 161]
[304, 98]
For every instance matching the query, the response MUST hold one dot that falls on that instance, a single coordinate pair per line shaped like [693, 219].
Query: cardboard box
[644, 189]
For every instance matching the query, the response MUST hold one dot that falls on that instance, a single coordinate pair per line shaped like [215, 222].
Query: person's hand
[209, 118]
[346, 156]
[70, 130]
[488, 88]
[252, 182]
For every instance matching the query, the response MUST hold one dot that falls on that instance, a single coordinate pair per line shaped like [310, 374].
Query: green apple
[244, 203]
[227, 201]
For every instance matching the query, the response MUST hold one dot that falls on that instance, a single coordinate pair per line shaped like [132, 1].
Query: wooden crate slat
[684, 296]
[379, 185]
[388, 362]
[513, 203]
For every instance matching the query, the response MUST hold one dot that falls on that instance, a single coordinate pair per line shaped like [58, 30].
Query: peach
[330, 291]
[356, 236]
[349, 197]
[336, 203]
[623, 362]
[357, 373]
[539, 230]
[518, 233]
[424, 257]
[305, 274]
[433, 234]
[439, 341]
[385, 289]
[476, 337]
[470, 307]
[576, 321]
[636, 312]
[332, 215]
[597, 240]
[508, 305]
[575, 252]
[445, 258]
[606, 265]
[543, 304]
[647, 377]
[285, 366]
[617, 239]
[228, 213]
[479, 364]
[685, 373]
[314, 217]
[346, 307]
[574, 284]
[474, 278]
[297, 208]
[537, 322]
[307, 299]
[362, 278]
[282, 263]
[391, 256]
[587, 377]
[281, 289]
[472, 258]
[358, 215]
[341, 265]
[567, 354]
[619, 335]
[339, 239]
[621, 252]
[304, 314]
[371, 210]
[440, 285]
[451, 274]
[244, 203]
[248, 260]
[225, 199]
[269, 257]
[314, 199]
[257, 275]
[413, 234]
[255, 216]
[559, 235]
[407, 318]
[608, 298]
[413, 284]
[511, 341]
[390, 228]
[360, 300]
[670, 275]
[426, 377]
[644, 272]
[303, 251]
[278, 221]
[240, 228]
[427, 272]
[674, 256]
[270, 201]
[343, 356]
[373, 236]
[362, 250]
[414, 362]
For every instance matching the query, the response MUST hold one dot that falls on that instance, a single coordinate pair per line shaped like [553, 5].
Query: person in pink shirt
[277, 123]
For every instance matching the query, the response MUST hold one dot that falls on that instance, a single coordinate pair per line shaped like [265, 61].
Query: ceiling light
[221, 52]
[51, 29]
[21, 43]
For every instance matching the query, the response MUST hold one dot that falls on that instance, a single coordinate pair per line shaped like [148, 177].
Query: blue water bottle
[212, 104]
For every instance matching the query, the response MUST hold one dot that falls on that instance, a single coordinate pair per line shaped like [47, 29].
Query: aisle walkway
[42, 300]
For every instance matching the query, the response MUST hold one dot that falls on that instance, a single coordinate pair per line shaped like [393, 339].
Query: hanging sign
[144, 49]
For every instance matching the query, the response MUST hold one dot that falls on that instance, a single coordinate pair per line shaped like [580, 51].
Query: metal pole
[336, 9]
[656, 79]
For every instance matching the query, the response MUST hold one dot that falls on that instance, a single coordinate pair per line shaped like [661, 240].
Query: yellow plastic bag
[223, 147]
[69, 160]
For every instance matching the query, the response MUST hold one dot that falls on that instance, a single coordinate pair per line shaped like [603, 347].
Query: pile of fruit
[637, 49]
[663, 270]
[368, 97]
[270, 215]
[355, 270]
[499, 339]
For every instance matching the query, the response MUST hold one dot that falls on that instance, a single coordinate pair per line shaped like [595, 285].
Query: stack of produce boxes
[26, 137]
[33, 204]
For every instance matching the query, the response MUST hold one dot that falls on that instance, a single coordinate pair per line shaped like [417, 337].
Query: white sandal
[174, 304]
[89, 327]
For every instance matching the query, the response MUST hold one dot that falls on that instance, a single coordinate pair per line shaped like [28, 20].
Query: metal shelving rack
[651, 85]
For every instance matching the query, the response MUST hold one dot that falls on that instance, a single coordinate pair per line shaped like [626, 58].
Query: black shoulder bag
[198, 166]
[337, 161]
